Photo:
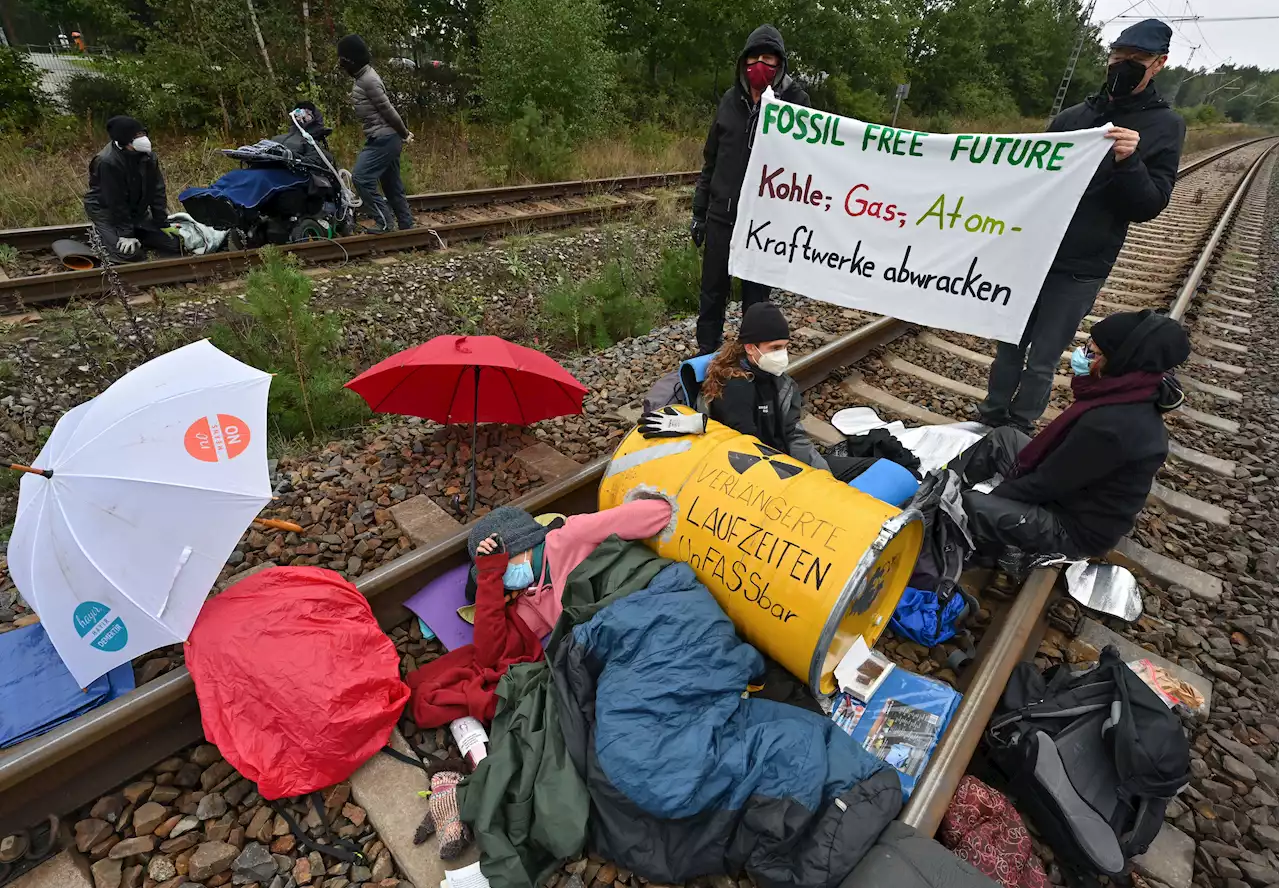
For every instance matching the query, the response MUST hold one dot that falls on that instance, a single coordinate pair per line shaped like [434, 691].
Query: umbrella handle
[277, 524]
[48, 473]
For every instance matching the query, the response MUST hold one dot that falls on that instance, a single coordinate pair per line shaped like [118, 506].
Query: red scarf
[1089, 392]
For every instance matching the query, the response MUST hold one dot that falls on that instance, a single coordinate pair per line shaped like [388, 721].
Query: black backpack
[1091, 758]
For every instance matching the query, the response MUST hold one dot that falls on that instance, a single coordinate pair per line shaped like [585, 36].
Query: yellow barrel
[802, 563]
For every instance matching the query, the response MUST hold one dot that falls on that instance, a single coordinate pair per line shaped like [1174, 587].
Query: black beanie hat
[763, 322]
[354, 49]
[124, 129]
[1140, 341]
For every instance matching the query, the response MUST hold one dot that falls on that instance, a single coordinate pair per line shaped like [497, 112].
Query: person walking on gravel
[126, 200]
[763, 63]
[1132, 184]
[385, 136]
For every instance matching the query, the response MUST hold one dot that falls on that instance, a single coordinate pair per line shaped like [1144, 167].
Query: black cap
[1150, 35]
[123, 129]
[1140, 341]
[763, 322]
[355, 50]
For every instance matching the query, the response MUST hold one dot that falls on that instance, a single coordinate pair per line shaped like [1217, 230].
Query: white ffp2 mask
[142, 145]
[774, 362]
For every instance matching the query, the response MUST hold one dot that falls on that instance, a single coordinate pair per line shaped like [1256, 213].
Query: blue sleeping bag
[37, 693]
[688, 776]
[249, 187]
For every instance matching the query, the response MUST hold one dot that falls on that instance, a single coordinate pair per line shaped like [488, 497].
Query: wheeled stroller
[288, 189]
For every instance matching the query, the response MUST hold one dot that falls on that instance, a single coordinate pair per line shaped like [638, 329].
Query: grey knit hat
[516, 527]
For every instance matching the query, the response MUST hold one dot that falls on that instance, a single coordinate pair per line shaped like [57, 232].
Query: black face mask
[1123, 77]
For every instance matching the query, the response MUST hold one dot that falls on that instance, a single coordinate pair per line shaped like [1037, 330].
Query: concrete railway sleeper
[70, 766]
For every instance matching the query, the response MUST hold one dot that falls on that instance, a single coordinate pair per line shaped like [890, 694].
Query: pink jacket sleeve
[568, 546]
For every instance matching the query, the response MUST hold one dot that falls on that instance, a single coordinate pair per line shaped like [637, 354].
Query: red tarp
[297, 684]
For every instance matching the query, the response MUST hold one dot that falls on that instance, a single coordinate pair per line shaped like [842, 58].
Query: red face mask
[760, 74]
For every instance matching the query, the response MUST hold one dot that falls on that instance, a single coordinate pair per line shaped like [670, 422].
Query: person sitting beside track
[126, 198]
[747, 388]
[310, 120]
[1077, 487]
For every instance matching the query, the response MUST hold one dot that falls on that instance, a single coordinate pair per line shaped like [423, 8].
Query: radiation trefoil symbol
[743, 461]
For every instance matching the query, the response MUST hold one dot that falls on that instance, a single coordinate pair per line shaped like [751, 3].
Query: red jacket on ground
[463, 681]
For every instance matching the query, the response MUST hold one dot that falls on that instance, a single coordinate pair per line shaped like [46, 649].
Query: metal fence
[58, 64]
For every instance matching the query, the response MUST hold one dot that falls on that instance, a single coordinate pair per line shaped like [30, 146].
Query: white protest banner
[949, 231]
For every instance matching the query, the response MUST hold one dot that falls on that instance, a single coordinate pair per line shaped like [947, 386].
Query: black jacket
[1097, 479]
[126, 190]
[1136, 189]
[728, 148]
[301, 148]
[768, 407]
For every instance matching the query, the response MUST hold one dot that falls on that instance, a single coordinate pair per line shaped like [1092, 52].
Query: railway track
[442, 218]
[1199, 246]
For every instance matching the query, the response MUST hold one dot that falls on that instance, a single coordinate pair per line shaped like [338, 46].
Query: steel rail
[31, 240]
[89, 755]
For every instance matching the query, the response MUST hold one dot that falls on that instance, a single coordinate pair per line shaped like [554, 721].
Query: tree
[551, 52]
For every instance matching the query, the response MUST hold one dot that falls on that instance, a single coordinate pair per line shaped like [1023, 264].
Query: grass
[43, 175]
[8, 257]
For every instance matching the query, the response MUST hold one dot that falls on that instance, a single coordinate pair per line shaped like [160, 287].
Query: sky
[1244, 43]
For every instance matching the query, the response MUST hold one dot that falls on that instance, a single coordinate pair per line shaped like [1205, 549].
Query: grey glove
[661, 424]
[128, 245]
[698, 231]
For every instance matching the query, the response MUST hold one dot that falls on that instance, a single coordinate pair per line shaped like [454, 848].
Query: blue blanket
[37, 693]
[774, 789]
[248, 188]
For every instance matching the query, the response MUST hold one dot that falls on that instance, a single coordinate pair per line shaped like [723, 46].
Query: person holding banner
[763, 63]
[1076, 488]
[1132, 184]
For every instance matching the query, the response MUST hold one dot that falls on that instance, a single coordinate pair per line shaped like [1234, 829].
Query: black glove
[698, 231]
[660, 424]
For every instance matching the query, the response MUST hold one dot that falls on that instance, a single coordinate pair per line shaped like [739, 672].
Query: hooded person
[520, 568]
[1132, 184]
[309, 120]
[1077, 487]
[126, 200]
[385, 135]
[763, 63]
[747, 388]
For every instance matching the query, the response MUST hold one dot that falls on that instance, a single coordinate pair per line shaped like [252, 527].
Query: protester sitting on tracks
[537, 564]
[126, 198]
[1077, 487]
[1132, 184]
[310, 120]
[747, 388]
[385, 136]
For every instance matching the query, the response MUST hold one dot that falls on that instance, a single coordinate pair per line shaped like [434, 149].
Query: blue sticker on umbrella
[100, 627]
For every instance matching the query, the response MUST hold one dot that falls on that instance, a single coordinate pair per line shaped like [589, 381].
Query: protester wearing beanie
[747, 387]
[521, 568]
[385, 136]
[126, 200]
[1076, 488]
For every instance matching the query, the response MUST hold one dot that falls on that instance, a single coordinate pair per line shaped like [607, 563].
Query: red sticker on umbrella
[215, 438]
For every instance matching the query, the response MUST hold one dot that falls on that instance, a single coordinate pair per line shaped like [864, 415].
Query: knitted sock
[454, 835]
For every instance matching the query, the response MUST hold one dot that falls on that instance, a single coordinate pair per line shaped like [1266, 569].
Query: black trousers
[996, 522]
[149, 237]
[715, 287]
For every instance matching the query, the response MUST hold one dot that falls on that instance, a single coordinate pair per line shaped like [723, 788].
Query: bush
[678, 279]
[90, 95]
[537, 147]
[601, 310]
[1201, 115]
[21, 101]
[550, 52]
[275, 329]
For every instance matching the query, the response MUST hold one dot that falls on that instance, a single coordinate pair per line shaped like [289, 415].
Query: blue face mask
[518, 576]
[1080, 361]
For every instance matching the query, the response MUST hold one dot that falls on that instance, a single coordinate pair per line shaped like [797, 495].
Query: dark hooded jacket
[767, 407]
[1096, 480]
[294, 141]
[126, 190]
[728, 148]
[1135, 189]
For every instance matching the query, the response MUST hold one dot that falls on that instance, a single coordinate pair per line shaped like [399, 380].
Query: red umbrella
[455, 379]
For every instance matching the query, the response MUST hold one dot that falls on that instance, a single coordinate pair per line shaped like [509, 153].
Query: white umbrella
[141, 495]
